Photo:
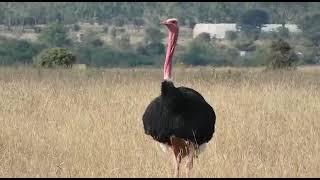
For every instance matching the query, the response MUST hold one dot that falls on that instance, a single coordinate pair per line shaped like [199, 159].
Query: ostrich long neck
[172, 40]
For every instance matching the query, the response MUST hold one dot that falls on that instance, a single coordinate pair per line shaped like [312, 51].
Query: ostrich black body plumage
[181, 112]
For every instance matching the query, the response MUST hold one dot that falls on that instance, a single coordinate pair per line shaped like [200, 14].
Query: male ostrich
[179, 118]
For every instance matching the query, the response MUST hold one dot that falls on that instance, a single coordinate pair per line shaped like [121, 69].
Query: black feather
[182, 112]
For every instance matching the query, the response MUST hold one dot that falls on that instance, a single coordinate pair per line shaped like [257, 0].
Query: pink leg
[177, 161]
[189, 163]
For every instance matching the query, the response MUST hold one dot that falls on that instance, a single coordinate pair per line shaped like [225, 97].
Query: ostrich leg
[178, 147]
[176, 162]
[190, 156]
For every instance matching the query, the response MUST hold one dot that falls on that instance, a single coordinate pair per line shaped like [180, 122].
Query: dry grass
[88, 124]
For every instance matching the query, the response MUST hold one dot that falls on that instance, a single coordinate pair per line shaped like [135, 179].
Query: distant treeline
[139, 13]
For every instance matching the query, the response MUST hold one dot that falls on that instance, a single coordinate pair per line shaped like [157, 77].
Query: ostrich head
[173, 30]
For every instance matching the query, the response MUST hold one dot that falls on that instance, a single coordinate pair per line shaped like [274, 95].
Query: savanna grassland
[69, 123]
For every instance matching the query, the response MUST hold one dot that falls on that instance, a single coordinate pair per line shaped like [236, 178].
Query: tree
[252, 21]
[151, 49]
[281, 55]
[54, 57]
[17, 51]
[127, 12]
[76, 27]
[311, 28]
[282, 13]
[55, 35]
[203, 37]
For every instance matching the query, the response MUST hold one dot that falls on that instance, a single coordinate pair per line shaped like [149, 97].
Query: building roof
[219, 30]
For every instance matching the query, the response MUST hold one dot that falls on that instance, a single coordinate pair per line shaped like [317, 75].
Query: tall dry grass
[58, 123]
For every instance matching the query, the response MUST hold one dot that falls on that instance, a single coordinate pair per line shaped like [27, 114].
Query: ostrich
[179, 119]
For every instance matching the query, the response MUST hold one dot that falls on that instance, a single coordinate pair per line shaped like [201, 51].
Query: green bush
[281, 55]
[203, 53]
[17, 51]
[245, 45]
[251, 21]
[96, 42]
[105, 29]
[256, 58]
[203, 37]
[76, 27]
[54, 57]
[310, 56]
[37, 29]
[151, 49]
[108, 56]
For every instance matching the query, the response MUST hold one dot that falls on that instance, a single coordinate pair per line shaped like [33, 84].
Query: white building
[274, 27]
[219, 30]
[215, 30]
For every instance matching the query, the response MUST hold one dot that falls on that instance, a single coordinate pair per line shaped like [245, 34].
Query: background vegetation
[127, 34]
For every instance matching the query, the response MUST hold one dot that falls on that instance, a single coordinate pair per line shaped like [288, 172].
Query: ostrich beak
[163, 23]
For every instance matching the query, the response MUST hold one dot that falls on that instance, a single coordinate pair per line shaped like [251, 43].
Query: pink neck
[172, 40]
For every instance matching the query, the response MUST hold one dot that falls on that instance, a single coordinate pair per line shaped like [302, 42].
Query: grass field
[58, 123]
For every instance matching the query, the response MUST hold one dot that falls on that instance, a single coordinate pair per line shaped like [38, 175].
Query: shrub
[281, 55]
[105, 29]
[310, 56]
[108, 56]
[37, 29]
[76, 27]
[203, 53]
[17, 51]
[257, 57]
[251, 22]
[54, 57]
[245, 45]
[151, 49]
[203, 37]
